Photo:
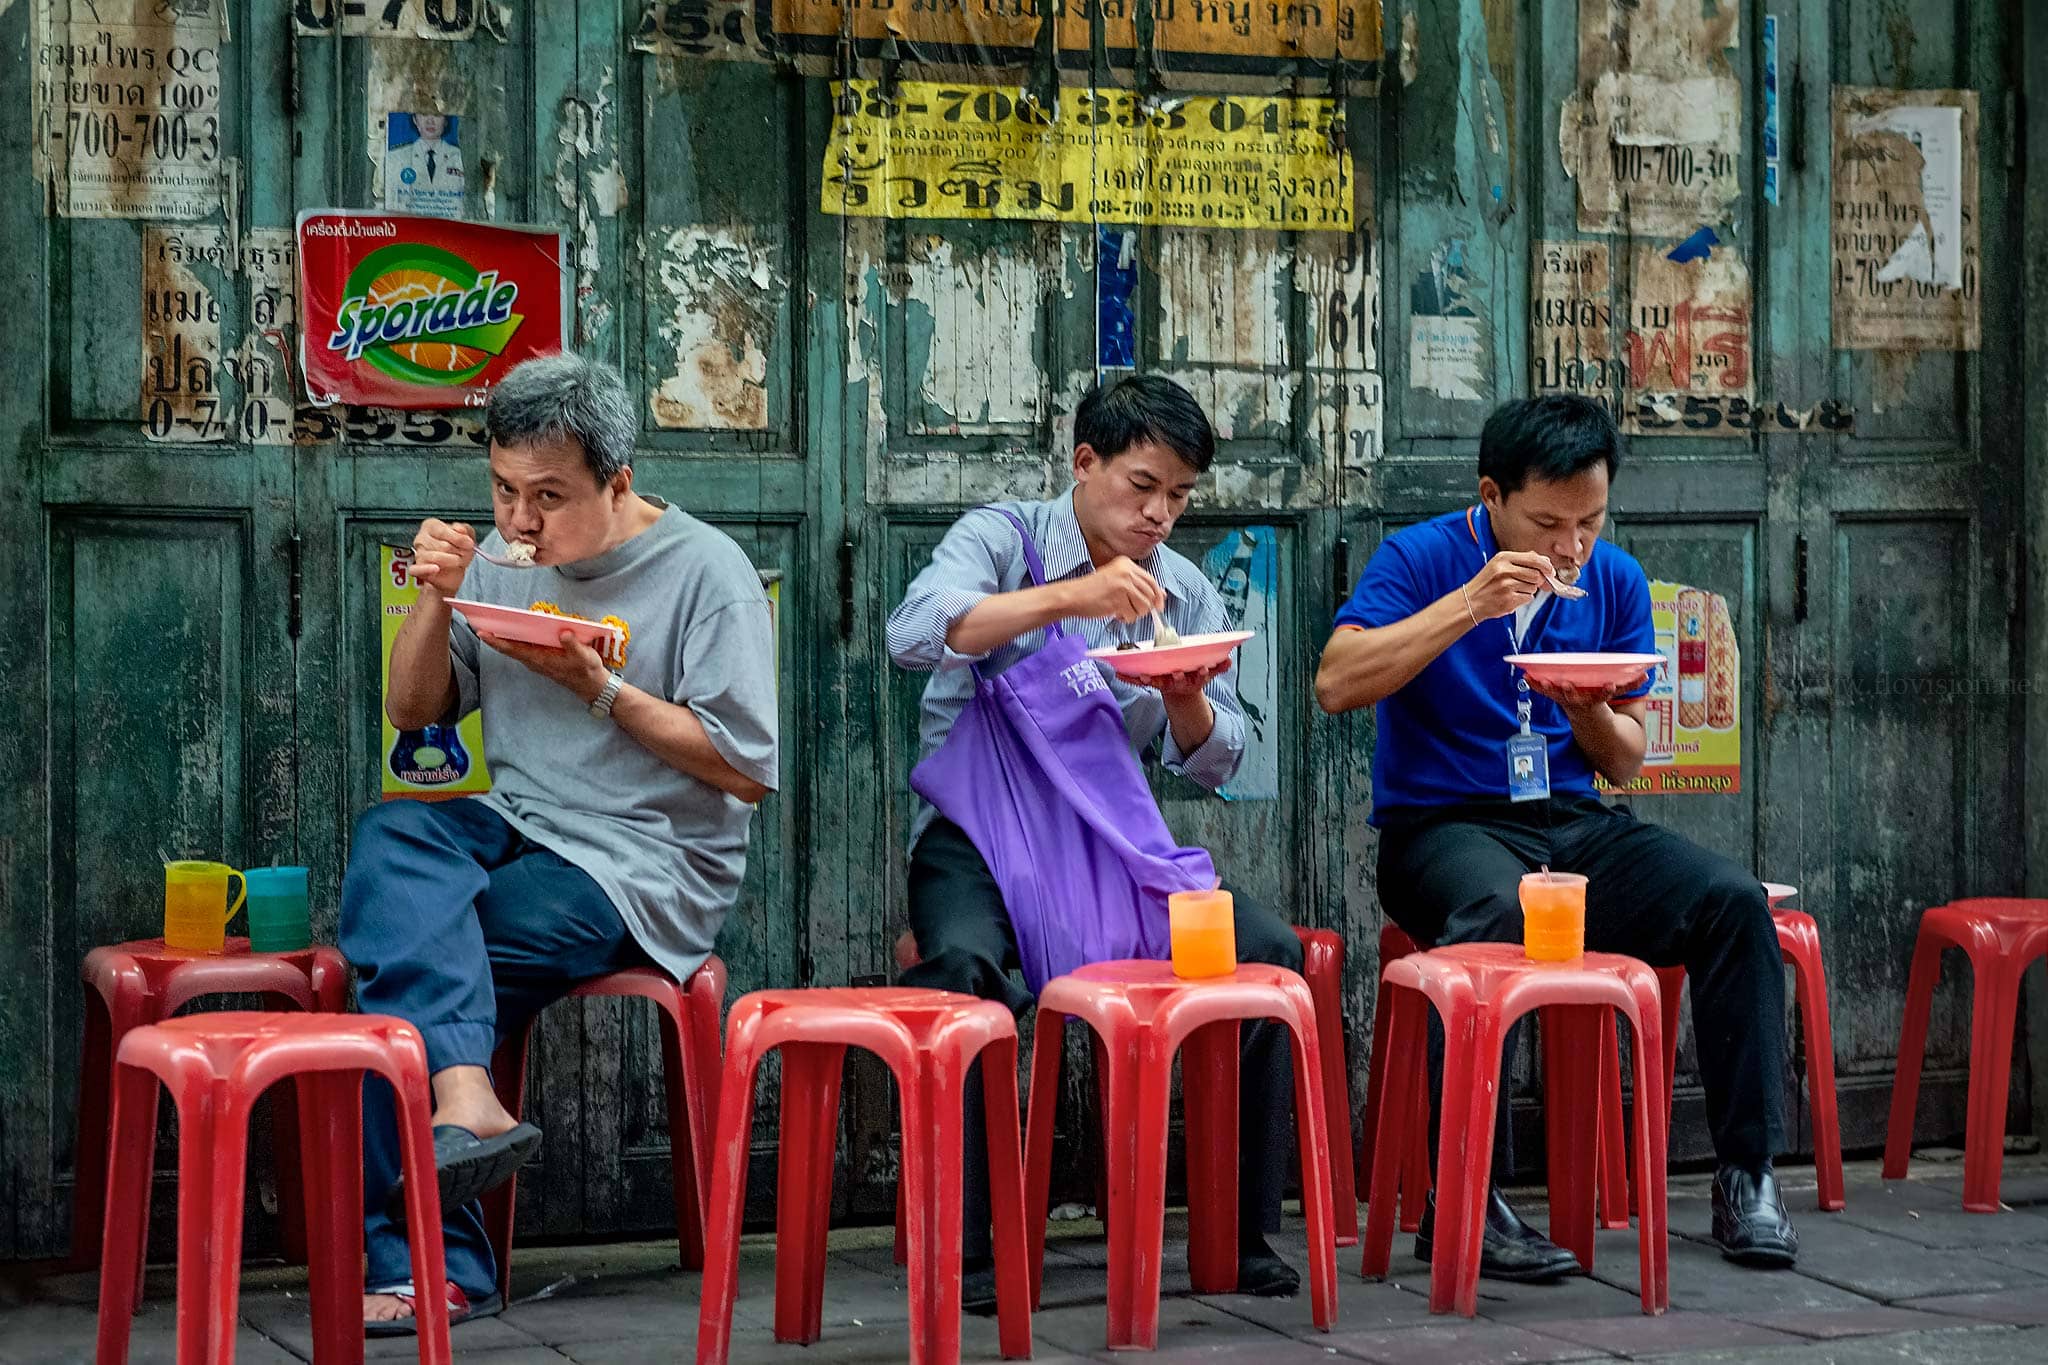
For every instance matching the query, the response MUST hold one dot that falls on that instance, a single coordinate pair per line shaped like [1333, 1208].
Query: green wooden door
[1859, 535]
[690, 268]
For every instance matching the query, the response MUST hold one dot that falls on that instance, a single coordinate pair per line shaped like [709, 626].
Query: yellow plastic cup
[1203, 929]
[194, 896]
[1553, 916]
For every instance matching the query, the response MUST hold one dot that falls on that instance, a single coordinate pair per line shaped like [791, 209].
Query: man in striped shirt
[1140, 447]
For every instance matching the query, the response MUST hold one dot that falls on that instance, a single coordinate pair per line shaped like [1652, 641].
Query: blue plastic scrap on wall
[1116, 283]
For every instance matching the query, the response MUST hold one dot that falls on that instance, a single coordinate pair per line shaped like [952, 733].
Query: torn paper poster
[262, 366]
[408, 76]
[1447, 348]
[449, 20]
[185, 272]
[1690, 370]
[127, 108]
[1932, 252]
[423, 164]
[1653, 133]
[1244, 568]
[722, 288]
[1905, 220]
[1211, 47]
[1771, 109]
[192, 388]
[1571, 323]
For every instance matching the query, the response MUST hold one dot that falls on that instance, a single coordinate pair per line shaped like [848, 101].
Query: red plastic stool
[1144, 1014]
[132, 984]
[690, 1062]
[1322, 966]
[215, 1065]
[2001, 937]
[1480, 989]
[927, 1039]
[1799, 945]
[1414, 1176]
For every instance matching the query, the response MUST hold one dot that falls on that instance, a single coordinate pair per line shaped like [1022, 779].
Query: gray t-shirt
[668, 849]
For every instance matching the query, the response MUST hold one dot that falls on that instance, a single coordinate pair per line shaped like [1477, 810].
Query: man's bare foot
[464, 1098]
[385, 1308]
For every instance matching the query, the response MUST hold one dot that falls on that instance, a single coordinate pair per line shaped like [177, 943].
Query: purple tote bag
[1038, 771]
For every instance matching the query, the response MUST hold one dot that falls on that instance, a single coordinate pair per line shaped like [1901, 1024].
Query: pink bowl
[534, 627]
[1587, 670]
[1194, 652]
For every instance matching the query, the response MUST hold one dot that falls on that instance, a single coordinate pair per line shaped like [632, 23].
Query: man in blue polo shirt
[1481, 775]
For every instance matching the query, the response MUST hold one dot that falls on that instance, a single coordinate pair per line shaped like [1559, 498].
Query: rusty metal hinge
[295, 582]
[1795, 150]
[846, 588]
[1799, 578]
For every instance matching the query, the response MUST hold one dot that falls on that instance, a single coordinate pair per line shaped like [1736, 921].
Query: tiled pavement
[1903, 1275]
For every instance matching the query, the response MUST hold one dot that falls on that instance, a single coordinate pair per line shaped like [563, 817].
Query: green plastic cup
[280, 919]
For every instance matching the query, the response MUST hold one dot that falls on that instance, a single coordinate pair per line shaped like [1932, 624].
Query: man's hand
[1118, 589]
[575, 665]
[1183, 686]
[442, 552]
[1583, 700]
[1510, 580]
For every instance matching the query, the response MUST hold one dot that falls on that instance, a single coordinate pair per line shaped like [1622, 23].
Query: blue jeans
[463, 927]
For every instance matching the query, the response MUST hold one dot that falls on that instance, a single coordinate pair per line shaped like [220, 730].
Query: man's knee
[1733, 910]
[1490, 917]
[1264, 937]
[384, 835]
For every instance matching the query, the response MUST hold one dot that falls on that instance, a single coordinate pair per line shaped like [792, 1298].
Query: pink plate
[1586, 670]
[535, 627]
[1192, 653]
[1775, 892]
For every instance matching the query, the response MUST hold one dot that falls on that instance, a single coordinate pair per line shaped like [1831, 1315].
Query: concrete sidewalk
[1902, 1275]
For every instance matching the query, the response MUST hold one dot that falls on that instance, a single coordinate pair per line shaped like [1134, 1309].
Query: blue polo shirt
[1443, 737]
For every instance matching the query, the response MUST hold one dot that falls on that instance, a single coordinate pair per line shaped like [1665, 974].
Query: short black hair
[1145, 407]
[1553, 437]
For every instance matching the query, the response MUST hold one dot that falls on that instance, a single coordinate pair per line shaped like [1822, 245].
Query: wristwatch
[601, 707]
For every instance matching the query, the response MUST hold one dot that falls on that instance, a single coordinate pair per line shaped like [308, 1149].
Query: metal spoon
[499, 560]
[1564, 589]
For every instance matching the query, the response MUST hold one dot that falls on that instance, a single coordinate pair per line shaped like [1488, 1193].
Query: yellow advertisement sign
[937, 150]
[440, 760]
[1695, 703]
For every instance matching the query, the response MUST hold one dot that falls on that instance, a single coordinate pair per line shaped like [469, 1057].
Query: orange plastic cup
[1203, 927]
[1553, 916]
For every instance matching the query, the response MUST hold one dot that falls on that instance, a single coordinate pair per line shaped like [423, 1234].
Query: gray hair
[553, 396]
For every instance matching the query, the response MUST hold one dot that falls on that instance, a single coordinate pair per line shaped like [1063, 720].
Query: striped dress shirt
[982, 555]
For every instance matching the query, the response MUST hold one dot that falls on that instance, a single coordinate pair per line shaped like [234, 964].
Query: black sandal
[466, 1166]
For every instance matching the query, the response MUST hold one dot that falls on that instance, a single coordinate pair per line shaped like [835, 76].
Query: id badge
[1528, 768]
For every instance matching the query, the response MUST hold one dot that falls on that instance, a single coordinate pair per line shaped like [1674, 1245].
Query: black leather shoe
[978, 1286]
[1263, 1275]
[1750, 1224]
[1511, 1250]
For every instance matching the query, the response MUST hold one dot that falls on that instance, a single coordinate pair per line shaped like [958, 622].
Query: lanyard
[1523, 705]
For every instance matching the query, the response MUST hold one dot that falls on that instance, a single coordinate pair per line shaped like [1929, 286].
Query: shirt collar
[1066, 549]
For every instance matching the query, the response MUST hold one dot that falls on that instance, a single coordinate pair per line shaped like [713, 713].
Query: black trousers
[966, 943]
[1451, 875]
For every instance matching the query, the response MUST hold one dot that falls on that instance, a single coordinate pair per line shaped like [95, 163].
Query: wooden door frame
[2033, 86]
